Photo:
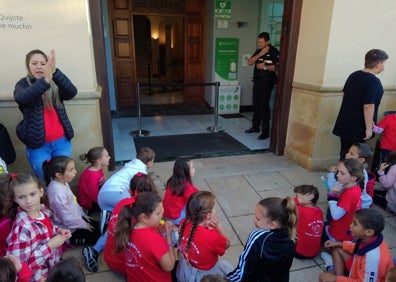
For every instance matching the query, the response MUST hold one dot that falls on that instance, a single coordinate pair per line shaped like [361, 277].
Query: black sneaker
[252, 130]
[91, 259]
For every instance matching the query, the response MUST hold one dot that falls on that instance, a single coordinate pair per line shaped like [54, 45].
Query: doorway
[159, 52]
[157, 41]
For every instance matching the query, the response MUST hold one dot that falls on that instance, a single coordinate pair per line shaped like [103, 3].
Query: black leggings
[86, 237]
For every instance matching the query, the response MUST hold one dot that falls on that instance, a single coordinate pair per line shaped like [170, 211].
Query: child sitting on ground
[148, 255]
[367, 259]
[178, 190]
[139, 183]
[385, 196]
[58, 172]
[92, 178]
[34, 239]
[361, 152]
[310, 222]
[202, 239]
[115, 189]
[268, 253]
[342, 208]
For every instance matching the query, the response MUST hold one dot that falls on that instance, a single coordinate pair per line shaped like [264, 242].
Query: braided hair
[198, 206]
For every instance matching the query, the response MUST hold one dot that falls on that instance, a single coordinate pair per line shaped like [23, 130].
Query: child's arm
[331, 244]
[70, 216]
[336, 211]
[387, 180]
[377, 129]
[167, 261]
[214, 222]
[249, 258]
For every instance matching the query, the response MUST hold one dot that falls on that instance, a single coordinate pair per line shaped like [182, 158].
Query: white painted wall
[63, 25]
[336, 34]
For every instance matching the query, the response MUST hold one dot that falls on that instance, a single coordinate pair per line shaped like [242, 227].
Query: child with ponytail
[148, 255]
[139, 183]
[268, 253]
[92, 178]
[58, 172]
[202, 240]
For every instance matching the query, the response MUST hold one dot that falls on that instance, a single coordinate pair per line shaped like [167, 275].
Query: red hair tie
[139, 174]
[48, 161]
[13, 175]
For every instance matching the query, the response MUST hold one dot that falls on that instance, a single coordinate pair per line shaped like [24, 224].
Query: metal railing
[141, 132]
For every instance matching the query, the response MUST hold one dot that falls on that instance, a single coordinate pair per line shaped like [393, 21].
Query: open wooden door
[121, 33]
[195, 55]
[121, 18]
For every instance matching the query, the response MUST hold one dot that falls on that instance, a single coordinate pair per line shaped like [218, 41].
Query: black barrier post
[215, 128]
[140, 132]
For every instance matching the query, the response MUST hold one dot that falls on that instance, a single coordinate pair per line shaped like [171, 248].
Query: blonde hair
[282, 211]
[51, 96]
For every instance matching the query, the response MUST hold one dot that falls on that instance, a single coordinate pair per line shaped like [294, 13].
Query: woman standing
[45, 129]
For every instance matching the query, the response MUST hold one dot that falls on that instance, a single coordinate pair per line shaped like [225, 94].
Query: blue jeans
[36, 157]
[109, 199]
[178, 220]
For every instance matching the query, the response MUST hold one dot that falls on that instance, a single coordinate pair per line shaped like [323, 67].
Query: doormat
[232, 116]
[194, 146]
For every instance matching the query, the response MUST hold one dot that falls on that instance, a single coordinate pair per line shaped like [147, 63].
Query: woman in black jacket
[45, 129]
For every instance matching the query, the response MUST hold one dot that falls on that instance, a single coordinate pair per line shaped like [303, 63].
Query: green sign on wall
[222, 9]
[226, 60]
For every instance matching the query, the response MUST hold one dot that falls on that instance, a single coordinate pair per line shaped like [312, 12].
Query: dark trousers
[86, 237]
[262, 90]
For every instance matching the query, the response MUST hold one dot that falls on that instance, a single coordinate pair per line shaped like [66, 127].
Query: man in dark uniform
[265, 60]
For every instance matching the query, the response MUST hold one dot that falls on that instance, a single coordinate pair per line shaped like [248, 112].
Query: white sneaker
[327, 258]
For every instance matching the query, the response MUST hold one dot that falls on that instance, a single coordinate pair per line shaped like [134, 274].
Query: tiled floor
[245, 180]
[238, 182]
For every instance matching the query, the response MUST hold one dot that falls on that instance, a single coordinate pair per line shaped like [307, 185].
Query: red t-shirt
[350, 201]
[116, 261]
[173, 204]
[206, 247]
[309, 229]
[145, 249]
[88, 187]
[388, 139]
[52, 125]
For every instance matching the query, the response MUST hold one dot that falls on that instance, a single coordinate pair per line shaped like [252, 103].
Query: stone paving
[239, 182]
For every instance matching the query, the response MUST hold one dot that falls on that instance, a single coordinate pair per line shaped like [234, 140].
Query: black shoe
[263, 136]
[252, 130]
[91, 259]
